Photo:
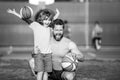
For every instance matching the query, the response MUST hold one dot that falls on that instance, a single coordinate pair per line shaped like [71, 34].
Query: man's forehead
[58, 26]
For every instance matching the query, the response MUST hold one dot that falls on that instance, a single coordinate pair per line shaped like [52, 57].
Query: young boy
[42, 31]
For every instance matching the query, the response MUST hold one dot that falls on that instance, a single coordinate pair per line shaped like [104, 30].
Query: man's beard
[58, 38]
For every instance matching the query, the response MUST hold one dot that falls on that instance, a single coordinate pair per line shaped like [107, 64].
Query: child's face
[46, 22]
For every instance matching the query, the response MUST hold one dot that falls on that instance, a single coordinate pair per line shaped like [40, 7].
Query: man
[60, 46]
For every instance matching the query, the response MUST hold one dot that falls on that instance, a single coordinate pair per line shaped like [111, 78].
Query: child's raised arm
[14, 13]
[18, 15]
[57, 14]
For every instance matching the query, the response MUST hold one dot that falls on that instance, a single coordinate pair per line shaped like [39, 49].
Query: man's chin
[58, 39]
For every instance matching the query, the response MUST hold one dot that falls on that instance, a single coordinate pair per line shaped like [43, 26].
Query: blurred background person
[67, 29]
[97, 36]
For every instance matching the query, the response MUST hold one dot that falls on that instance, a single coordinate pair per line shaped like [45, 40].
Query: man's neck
[56, 40]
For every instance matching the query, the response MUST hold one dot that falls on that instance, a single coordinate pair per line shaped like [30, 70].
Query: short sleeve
[33, 25]
[72, 45]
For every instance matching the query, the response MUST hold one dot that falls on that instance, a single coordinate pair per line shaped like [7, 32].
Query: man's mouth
[58, 34]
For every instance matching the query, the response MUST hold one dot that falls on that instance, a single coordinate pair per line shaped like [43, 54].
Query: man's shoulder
[67, 40]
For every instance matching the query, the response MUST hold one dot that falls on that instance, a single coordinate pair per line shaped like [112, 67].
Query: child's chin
[45, 25]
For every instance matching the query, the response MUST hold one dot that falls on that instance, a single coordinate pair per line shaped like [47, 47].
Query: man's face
[58, 32]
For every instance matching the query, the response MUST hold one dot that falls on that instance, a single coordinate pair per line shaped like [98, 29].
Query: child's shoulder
[35, 23]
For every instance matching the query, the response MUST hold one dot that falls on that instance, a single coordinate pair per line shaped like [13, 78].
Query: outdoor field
[16, 39]
[87, 70]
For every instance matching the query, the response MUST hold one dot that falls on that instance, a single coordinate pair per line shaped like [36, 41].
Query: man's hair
[42, 14]
[58, 22]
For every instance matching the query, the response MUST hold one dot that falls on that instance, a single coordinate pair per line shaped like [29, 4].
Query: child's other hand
[57, 11]
[57, 14]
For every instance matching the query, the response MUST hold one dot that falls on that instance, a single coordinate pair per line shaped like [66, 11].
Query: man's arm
[18, 15]
[74, 49]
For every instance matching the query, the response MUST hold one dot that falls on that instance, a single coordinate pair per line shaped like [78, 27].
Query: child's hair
[44, 14]
[58, 22]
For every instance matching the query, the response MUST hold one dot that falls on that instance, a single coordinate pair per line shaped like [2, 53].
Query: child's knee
[68, 75]
[40, 74]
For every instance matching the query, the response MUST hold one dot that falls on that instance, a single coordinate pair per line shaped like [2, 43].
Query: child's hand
[14, 12]
[11, 11]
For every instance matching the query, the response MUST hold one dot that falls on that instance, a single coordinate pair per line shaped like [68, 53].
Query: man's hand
[79, 58]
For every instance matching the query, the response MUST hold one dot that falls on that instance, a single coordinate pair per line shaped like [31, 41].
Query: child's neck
[45, 26]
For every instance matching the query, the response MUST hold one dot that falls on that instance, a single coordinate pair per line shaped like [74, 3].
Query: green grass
[87, 70]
